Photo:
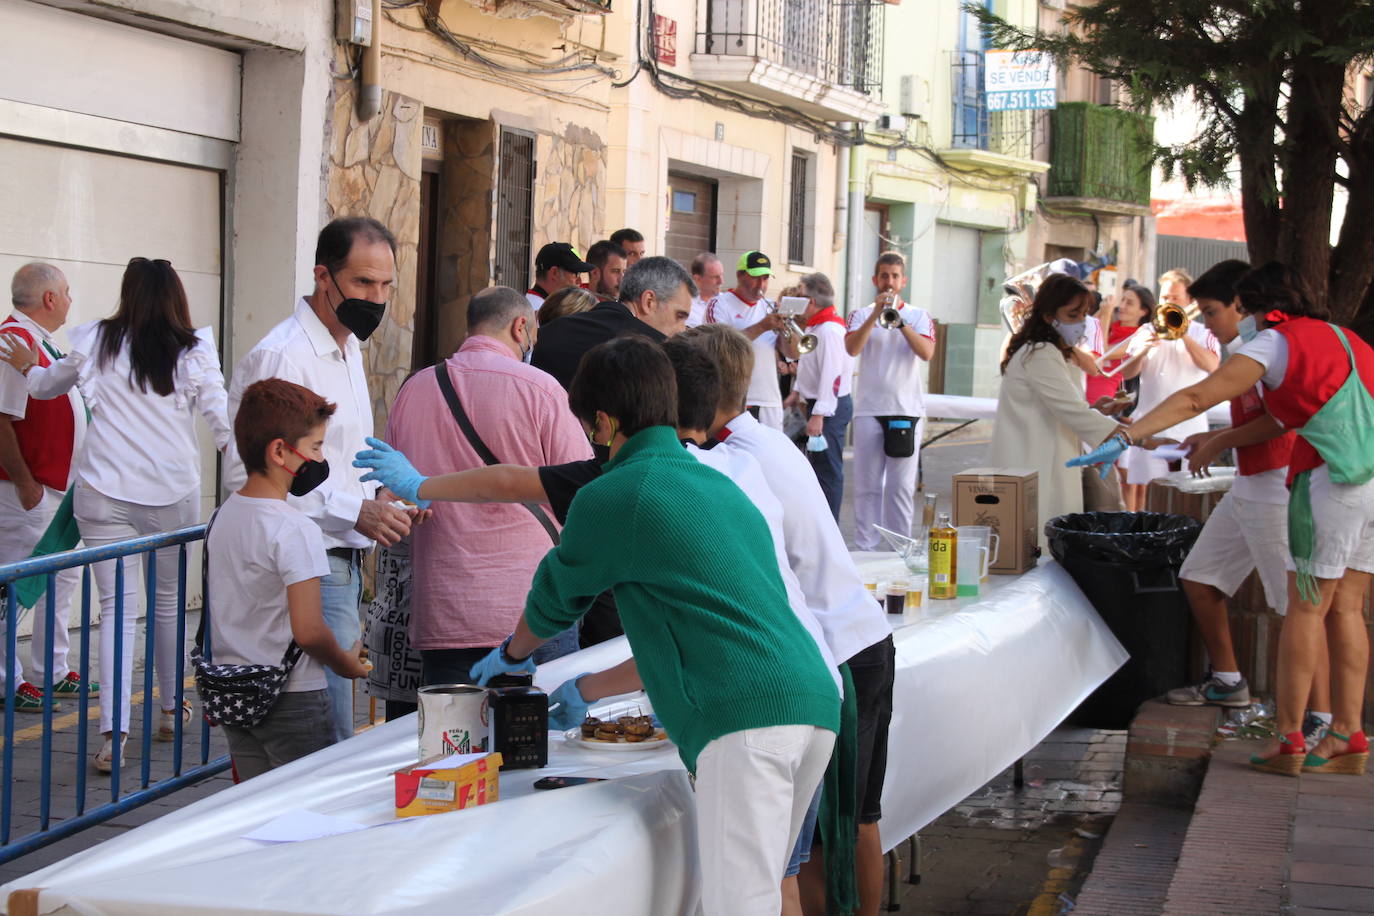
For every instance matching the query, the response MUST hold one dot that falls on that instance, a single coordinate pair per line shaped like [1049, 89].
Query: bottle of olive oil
[944, 547]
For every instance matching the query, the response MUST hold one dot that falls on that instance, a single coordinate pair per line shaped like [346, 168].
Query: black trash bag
[1127, 565]
[1141, 540]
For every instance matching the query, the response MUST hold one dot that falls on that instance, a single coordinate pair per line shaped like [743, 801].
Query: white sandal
[166, 726]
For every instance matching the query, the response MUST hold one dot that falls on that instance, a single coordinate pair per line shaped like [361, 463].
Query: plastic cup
[915, 592]
[896, 596]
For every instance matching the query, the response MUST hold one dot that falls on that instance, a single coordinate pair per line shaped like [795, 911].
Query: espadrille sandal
[1350, 763]
[1288, 761]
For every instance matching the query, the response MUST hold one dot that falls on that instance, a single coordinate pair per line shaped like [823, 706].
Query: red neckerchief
[1276, 317]
[826, 314]
[538, 291]
[723, 434]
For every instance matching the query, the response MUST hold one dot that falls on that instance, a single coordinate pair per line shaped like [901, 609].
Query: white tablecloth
[980, 681]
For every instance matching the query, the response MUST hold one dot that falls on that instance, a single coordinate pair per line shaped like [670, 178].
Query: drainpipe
[854, 271]
[841, 195]
[370, 92]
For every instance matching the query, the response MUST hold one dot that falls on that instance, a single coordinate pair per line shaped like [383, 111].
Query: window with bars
[799, 209]
[514, 201]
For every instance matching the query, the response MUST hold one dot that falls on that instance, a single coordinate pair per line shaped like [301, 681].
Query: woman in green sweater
[737, 682]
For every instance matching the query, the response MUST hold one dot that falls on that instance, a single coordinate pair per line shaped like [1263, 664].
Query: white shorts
[1141, 465]
[1242, 535]
[1344, 518]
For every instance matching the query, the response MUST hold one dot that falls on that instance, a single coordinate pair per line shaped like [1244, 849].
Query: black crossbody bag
[239, 695]
[480, 447]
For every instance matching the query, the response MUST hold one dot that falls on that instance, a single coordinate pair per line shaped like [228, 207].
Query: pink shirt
[473, 562]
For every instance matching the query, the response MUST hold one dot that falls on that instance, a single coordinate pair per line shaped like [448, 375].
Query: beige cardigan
[1042, 421]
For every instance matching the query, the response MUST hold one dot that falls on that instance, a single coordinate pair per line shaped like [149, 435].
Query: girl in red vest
[1316, 379]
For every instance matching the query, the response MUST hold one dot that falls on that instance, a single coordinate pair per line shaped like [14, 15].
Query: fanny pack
[899, 436]
[239, 695]
[1342, 432]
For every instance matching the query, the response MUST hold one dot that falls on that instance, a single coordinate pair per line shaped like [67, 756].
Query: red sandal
[1350, 762]
[1288, 761]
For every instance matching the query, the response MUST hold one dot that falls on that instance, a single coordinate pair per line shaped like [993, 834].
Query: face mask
[527, 349]
[1247, 329]
[308, 476]
[360, 316]
[1072, 333]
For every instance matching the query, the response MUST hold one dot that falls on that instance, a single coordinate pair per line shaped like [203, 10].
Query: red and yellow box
[424, 789]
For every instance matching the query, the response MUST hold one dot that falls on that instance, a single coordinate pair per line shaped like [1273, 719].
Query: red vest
[47, 434]
[1265, 456]
[1317, 367]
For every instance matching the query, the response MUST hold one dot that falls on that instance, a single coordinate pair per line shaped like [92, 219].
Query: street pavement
[1003, 850]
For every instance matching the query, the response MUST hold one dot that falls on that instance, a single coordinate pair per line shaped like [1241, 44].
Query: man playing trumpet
[891, 338]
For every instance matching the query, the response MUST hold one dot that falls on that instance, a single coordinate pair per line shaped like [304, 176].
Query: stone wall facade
[373, 170]
[570, 191]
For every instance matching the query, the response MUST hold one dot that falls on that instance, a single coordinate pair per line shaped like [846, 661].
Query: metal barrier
[149, 788]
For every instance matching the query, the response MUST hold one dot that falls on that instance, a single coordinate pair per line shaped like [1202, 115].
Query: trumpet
[1170, 321]
[889, 317]
[805, 342]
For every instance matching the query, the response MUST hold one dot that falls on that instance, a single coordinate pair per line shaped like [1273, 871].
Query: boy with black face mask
[265, 562]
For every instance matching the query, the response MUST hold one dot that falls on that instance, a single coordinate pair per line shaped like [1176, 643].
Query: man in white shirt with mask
[889, 405]
[317, 347]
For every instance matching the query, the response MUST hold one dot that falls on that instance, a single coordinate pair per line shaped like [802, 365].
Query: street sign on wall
[1018, 80]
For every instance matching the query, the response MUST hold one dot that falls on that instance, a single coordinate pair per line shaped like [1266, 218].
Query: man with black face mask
[317, 347]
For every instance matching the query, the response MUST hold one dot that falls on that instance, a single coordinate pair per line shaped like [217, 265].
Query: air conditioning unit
[911, 96]
[891, 122]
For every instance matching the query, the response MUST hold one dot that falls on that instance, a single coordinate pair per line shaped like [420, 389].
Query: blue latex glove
[392, 469]
[1105, 455]
[567, 709]
[497, 662]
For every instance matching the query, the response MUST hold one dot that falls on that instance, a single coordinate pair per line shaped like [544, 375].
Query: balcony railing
[1100, 153]
[837, 41]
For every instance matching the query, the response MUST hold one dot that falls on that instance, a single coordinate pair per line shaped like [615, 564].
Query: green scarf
[61, 535]
[839, 811]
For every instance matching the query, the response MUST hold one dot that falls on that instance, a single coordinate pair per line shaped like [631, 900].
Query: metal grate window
[796, 210]
[514, 197]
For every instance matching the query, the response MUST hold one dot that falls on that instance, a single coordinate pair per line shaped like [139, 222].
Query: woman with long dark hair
[1042, 417]
[1316, 379]
[145, 373]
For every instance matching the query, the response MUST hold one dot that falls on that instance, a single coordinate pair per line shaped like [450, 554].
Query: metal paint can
[453, 720]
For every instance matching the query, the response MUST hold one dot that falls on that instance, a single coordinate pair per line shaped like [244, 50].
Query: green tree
[1271, 80]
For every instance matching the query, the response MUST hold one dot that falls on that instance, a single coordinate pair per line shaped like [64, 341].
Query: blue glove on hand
[567, 709]
[392, 469]
[497, 662]
[1105, 454]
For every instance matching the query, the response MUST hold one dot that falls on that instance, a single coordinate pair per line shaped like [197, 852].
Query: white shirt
[302, 350]
[14, 388]
[850, 618]
[698, 313]
[141, 446]
[534, 300]
[889, 372]
[1169, 368]
[257, 548]
[827, 372]
[1269, 348]
[744, 471]
[727, 308]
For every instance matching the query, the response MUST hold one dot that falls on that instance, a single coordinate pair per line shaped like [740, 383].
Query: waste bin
[1127, 565]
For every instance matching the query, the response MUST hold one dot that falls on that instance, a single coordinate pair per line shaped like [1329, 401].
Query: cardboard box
[449, 783]
[1007, 500]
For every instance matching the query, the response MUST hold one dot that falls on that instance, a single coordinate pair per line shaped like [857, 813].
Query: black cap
[562, 255]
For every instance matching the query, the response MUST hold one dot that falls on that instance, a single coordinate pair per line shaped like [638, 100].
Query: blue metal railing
[149, 789]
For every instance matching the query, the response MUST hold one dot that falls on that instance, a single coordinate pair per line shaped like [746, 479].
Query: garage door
[89, 213]
[955, 299]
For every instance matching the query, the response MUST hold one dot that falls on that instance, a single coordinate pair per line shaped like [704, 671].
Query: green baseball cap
[755, 264]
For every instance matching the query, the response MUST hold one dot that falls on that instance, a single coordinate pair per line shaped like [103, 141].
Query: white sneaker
[103, 761]
[167, 723]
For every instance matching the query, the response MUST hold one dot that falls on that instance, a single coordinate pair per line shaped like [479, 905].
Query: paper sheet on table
[1172, 452]
[298, 825]
[453, 761]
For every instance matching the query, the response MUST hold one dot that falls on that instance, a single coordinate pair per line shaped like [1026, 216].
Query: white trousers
[105, 520]
[19, 532]
[884, 488]
[770, 416]
[753, 789]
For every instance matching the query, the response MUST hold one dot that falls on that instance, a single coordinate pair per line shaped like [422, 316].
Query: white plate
[574, 737]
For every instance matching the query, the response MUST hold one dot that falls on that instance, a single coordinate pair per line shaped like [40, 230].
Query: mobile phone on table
[562, 782]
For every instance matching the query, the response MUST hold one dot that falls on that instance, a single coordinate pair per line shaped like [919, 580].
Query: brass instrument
[889, 317]
[1170, 321]
[805, 342]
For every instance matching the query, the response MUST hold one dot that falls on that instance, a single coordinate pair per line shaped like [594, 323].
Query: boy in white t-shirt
[265, 563]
